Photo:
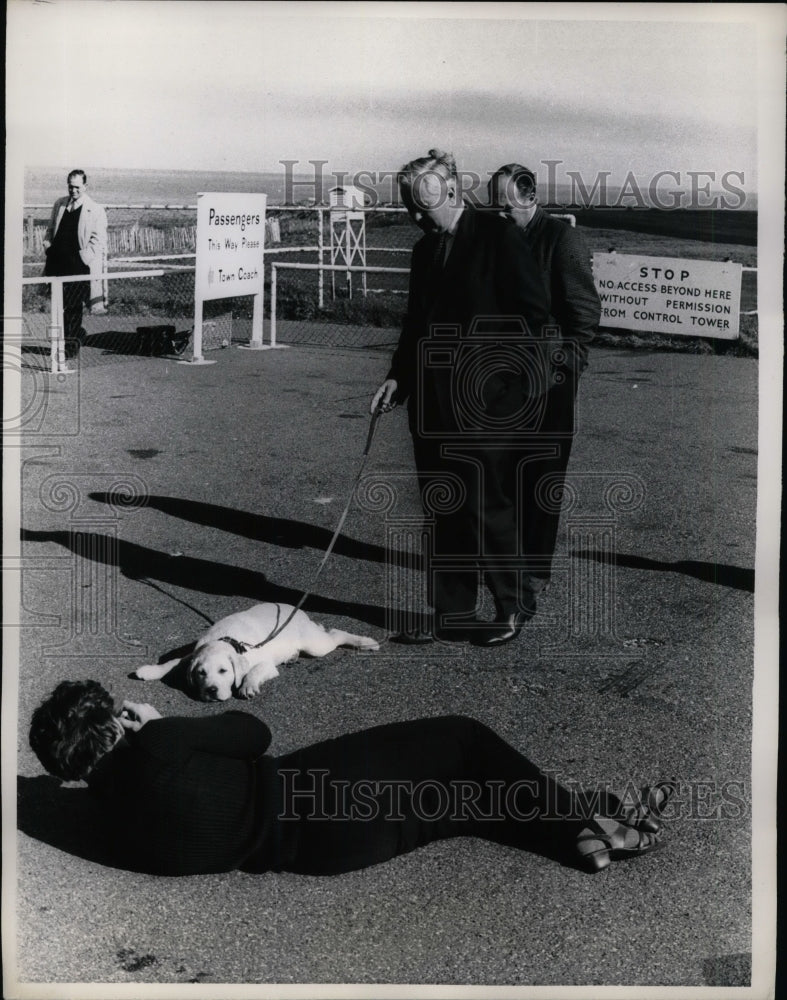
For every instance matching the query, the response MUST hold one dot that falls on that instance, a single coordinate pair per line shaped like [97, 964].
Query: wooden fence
[126, 240]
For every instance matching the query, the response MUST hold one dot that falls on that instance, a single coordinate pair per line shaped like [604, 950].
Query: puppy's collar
[237, 645]
[244, 647]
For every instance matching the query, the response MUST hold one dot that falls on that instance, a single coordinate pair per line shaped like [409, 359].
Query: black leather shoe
[505, 628]
[72, 349]
[74, 343]
[446, 633]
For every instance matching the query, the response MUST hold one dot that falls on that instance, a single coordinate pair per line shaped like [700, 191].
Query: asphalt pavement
[157, 496]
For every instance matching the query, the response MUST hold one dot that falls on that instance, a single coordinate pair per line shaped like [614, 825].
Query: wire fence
[339, 304]
[151, 315]
[370, 320]
[351, 293]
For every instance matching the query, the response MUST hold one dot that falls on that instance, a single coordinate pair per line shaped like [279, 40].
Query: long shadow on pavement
[66, 817]
[281, 531]
[136, 562]
[711, 572]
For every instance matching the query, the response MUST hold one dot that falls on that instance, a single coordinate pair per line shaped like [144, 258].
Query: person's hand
[385, 396]
[46, 245]
[134, 716]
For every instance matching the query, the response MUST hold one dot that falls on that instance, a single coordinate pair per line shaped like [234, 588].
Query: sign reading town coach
[695, 298]
[230, 254]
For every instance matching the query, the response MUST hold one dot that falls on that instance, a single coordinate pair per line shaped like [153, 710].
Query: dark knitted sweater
[188, 796]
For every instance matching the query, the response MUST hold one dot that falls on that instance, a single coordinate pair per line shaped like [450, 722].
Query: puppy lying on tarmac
[228, 657]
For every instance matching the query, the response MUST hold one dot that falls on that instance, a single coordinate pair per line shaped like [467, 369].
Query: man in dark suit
[562, 254]
[476, 360]
[564, 263]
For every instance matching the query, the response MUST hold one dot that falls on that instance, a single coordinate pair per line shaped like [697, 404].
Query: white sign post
[230, 257]
[692, 298]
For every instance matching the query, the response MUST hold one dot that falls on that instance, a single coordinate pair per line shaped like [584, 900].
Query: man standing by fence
[75, 243]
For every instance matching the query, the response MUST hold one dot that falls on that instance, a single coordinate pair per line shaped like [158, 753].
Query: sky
[241, 86]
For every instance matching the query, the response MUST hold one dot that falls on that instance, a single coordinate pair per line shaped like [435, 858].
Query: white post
[196, 346]
[258, 310]
[57, 344]
[320, 252]
[363, 251]
[274, 304]
[256, 321]
[348, 254]
[335, 242]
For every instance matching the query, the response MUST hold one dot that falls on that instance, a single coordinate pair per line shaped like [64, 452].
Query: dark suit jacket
[489, 301]
[564, 261]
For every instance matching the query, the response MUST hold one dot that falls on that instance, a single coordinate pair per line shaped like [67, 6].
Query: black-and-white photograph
[392, 485]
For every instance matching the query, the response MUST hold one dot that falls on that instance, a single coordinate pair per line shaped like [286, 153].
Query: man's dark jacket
[487, 305]
[564, 261]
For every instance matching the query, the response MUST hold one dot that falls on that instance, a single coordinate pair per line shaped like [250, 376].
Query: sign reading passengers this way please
[695, 298]
[230, 242]
[230, 256]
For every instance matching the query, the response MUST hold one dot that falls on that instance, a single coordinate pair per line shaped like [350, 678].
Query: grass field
[736, 228]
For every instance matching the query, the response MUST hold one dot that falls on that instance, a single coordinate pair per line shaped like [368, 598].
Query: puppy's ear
[237, 668]
[188, 673]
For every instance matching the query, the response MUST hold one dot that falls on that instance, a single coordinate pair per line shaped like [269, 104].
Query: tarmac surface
[157, 496]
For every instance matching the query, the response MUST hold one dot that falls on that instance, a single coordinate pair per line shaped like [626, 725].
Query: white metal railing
[160, 256]
[56, 327]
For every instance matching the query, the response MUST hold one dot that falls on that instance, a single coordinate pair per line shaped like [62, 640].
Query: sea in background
[151, 187]
[119, 186]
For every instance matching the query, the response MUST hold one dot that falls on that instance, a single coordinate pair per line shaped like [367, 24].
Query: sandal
[643, 811]
[604, 840]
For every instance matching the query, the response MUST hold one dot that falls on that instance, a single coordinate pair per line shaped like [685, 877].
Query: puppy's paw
[249, 687]
[368, 643]
[147, 673]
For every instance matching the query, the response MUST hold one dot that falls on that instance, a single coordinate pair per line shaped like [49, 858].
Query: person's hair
[73, 728]
[78, 173]
[523, 178]
[436, 161]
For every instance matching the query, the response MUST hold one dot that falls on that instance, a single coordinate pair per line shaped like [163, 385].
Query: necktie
[439, 252]
[436, 268]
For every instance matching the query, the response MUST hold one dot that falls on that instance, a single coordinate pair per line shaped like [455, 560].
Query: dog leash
[236, 643]
[166, 593]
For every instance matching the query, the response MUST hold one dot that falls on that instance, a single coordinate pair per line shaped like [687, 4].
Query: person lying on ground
[186, 796]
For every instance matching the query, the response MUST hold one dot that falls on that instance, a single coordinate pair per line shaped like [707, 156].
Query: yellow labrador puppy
[234, 656]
